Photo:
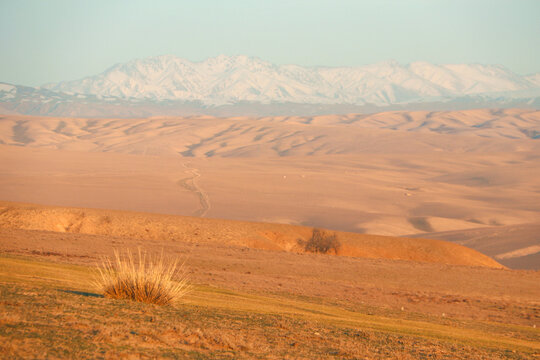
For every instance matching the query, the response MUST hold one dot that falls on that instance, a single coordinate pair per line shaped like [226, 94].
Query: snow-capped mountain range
[232, 79]
[241, 85]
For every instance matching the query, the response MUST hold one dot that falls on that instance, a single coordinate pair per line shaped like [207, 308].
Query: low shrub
[149, 279]
[322, 242]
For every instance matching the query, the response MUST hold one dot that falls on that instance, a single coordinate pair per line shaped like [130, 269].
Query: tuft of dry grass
[148, 279]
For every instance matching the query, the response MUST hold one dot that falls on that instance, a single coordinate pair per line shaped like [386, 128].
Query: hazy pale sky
[52, 40]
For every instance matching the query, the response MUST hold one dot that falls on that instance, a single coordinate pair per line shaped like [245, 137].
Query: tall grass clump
[148, 279]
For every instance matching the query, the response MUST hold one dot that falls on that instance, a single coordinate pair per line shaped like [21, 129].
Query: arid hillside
[237, 199]
[399, 173]
[206, 136]
[168, 228]
[511, 245]
[253, 303]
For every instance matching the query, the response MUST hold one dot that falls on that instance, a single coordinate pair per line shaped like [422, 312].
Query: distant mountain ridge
[241, 85]
[232, 79]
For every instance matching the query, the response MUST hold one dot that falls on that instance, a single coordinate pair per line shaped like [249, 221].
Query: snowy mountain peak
[232, 79]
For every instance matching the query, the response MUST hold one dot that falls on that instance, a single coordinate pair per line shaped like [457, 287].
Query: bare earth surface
[465, 292]
[400, 173]
[253, 303]
[515, 246]
[237, 198]
[193, 230]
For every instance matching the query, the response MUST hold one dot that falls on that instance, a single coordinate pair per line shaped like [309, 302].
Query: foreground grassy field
[51, 310]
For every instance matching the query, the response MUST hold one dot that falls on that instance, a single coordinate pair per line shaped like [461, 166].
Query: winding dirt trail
[190, 184]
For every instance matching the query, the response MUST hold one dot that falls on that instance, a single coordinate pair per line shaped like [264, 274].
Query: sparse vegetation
[149, 279]
[41, 318]
[322, 242]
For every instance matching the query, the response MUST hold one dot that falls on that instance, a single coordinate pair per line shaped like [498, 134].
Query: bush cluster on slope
[322, 242]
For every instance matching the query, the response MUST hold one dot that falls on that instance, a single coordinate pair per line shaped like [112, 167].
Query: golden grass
[481, 334]
[148, 279]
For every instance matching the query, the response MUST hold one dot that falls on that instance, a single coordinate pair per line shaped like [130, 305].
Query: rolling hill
[163, 228]
[397, 173]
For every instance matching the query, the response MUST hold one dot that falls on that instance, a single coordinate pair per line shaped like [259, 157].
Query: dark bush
[322, 242]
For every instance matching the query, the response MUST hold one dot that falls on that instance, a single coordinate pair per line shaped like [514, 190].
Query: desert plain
[438, 215]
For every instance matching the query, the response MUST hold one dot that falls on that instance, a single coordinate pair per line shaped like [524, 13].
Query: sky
[54, 40]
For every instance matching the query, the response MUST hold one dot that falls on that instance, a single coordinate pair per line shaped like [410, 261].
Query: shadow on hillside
[82, 293]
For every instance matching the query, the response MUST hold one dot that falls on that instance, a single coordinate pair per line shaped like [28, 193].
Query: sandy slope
[251, 303]
[396, 173]
[516, 246]
[205, 136]
[478, 293]
[144, 226]
[387, 194]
